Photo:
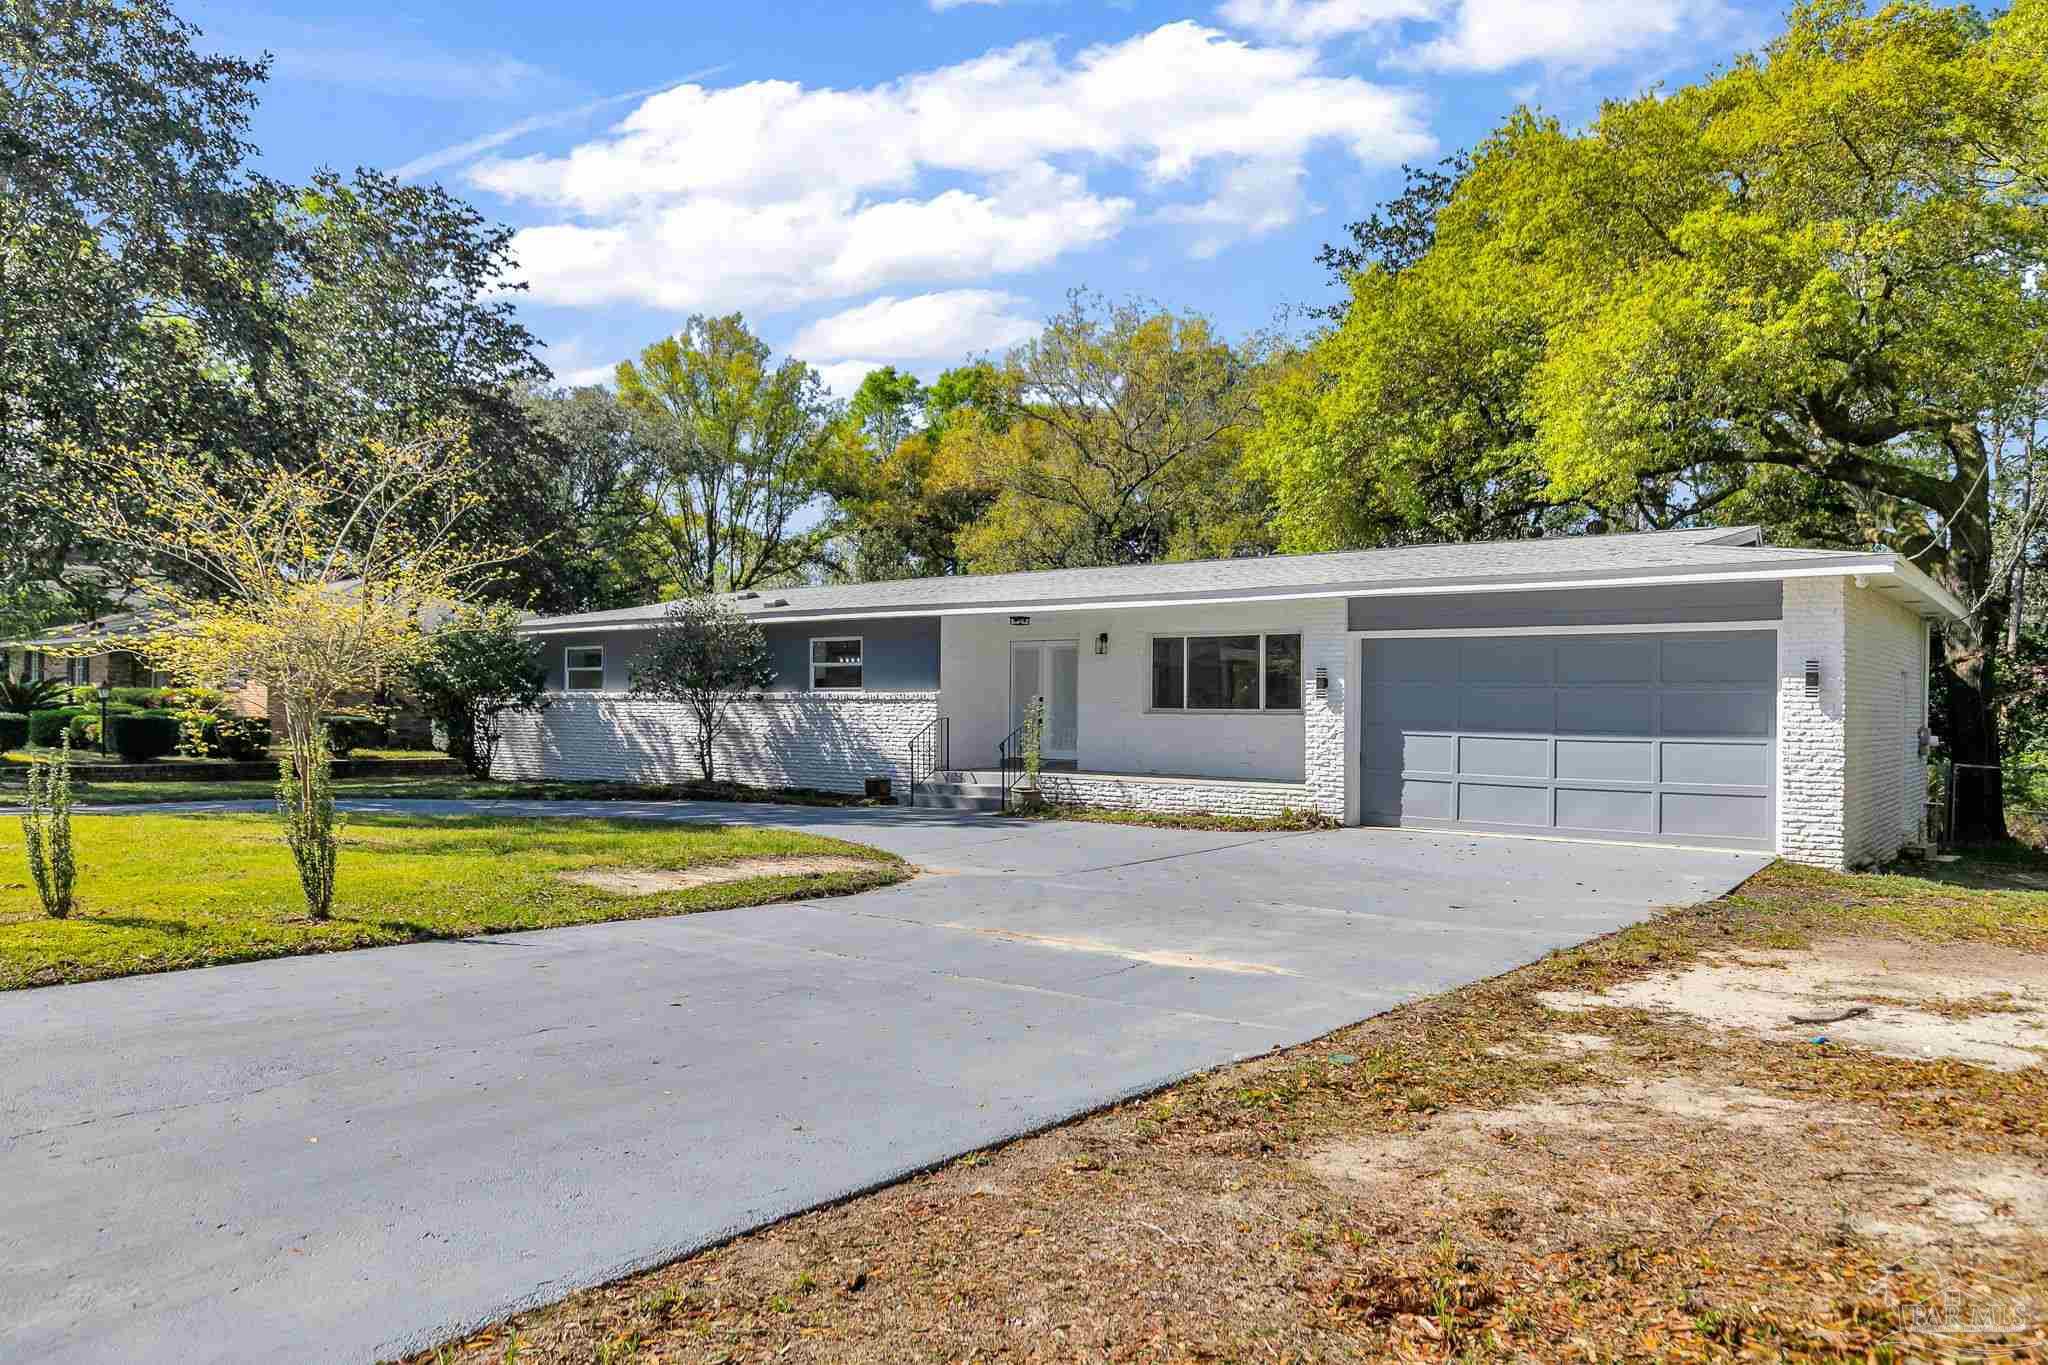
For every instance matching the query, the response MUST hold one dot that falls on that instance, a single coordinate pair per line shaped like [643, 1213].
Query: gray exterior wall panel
[1689, 604]
[899, 654]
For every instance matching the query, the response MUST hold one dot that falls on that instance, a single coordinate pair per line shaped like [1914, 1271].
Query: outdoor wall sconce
[1322, 680]
[1102, 643]
[1813, 677]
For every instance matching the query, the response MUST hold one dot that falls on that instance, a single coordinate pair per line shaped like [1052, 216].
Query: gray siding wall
[1689, 604]
[900, 654]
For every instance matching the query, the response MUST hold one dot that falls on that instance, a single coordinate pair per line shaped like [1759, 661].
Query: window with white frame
[836, 664]
[583, 668]
[1226, 672]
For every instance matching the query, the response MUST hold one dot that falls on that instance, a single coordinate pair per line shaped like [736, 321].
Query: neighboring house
[1683, 687]
[53, 654]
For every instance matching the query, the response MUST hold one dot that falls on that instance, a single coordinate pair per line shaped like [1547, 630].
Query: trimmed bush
[348, 731]
[226, 735]
[142, 698]
[139, 736]
[13, 730]
[46, 728]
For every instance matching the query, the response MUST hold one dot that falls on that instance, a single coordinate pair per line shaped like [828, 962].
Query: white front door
[1049, 669]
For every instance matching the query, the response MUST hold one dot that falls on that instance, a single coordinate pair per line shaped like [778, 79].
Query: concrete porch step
[958, 796]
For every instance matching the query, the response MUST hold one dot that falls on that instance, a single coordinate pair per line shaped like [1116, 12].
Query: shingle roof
[1639, 554]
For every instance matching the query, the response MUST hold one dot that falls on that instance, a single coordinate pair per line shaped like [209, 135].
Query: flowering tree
[311, 581]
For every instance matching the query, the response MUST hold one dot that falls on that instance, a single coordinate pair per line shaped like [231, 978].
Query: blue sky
[915, 182]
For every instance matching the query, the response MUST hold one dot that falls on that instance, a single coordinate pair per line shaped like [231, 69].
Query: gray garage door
[1664, 738]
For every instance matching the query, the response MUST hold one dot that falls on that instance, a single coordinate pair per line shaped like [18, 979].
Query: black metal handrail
[930, 752]
[1010, 760]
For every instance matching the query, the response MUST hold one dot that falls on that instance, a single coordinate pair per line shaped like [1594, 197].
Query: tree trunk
[707, 735]
[1969, 655]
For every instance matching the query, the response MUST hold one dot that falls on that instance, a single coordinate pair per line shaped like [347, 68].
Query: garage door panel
[1606, 659]
[1398, 661]
[1644, 736]
[1495, 756]
[1429, 800]
[1512, 660]
[1424, 706]
[1716, 816]
[1715, 713]
[1606, 760]
[1732, 658]
[1716, 765]
[1605, 711]
[1529, 709]
[1391, 749]
[1598, 809]
[1495, 803]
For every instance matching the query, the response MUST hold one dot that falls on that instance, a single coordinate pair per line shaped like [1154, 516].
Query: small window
[1226, 673]
[835, 664]
[583, 668]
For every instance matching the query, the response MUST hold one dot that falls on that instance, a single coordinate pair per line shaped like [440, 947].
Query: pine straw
[1445, 1182]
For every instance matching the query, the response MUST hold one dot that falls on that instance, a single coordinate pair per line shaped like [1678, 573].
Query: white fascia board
[1834, 568]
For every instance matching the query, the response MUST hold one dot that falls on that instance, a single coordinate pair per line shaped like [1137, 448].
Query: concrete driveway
[344, 1157]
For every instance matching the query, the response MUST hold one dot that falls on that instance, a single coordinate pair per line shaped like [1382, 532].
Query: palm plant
[24, 696]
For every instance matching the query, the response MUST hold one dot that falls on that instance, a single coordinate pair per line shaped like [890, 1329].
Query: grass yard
[163, 892]
[1537, 1167]
[88, 793]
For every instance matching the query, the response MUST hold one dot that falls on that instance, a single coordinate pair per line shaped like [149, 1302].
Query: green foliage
[476, 671]
[1034, 739]
[144, 698]
[305, 807]
[704, 656]
[588, 480]
[47, 727]
[224, 734]
[19, 694]
[13, 730]
[142, 736]
[46, 829]
[739, 441]
[348, 731]
[1110, 438]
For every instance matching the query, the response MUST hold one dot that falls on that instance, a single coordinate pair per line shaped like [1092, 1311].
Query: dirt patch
[1969, 1002]
[628, 881]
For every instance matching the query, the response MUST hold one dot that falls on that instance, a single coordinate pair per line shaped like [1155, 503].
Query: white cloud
[772, 194]
[1251, 199]
[1489, 35]
[842, 377]
[1315, 21]
[1493, 35]
[946, 325]
[401, 68]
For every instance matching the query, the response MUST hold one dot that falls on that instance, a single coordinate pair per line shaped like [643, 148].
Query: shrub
[224, 734]
[143, 698]
[85, 694]
[348, 731]
[46, 728]
[13, 730]
[23, 696]
[47, 830]
[140, 736]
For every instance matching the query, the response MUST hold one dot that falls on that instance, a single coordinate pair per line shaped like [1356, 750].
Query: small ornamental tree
[47, 831]
[476, 670]
[311, 580]
[704, 656]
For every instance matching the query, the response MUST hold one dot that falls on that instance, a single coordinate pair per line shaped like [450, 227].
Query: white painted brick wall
[1327, 754]
[828, 740]
[1812, 748]
[1189, 796]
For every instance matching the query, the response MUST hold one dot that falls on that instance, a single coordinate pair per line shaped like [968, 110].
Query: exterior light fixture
[1322, 680]
[1813, 677]
[1102, 643]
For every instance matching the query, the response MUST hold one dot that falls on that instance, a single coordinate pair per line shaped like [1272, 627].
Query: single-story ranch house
[1690, 687]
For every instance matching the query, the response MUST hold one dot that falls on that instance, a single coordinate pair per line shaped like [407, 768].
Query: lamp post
[103, 691]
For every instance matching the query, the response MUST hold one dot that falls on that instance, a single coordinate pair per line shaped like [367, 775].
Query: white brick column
[1325, 755]
[1812, 731]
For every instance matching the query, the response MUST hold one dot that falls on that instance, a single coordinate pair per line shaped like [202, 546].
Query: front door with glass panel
[1049, 669]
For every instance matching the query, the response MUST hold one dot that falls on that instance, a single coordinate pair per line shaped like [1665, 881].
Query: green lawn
[87, 792]
[162, 892]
